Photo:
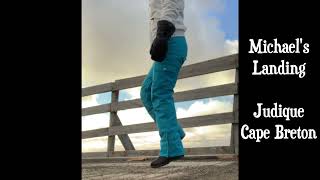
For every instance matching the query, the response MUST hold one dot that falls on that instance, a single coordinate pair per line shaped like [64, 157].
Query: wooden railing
[116, 127]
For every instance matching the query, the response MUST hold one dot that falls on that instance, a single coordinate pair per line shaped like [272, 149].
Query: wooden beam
[222, 118]
[97, 89]
[197, 121]
[234, 140]
[210, 66]
[111, 138]
[96, 109]
[214, 91]
[124, 138]
[95, 133]
[188, 151]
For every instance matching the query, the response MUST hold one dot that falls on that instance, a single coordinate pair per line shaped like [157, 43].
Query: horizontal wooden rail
[188, 151]
[214, 91]
[210, 66]
[97, 89]
[96, 109]
[196, 121]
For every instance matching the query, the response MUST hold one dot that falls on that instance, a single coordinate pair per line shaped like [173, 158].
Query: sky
[115, 44]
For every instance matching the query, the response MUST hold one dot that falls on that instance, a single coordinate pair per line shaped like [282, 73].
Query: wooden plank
[111, 138]
[124, 138]
[129, 82]
[234, 140]
[235, 135]
[96, 109]
[95, 133]
[134, 128]
[188, 151]
[236, 97]
[222, 118]
[97, 89]
[94, 154]
[123, 105]
[210, 66]
[213, 119]
[214, 91]
[220, 157]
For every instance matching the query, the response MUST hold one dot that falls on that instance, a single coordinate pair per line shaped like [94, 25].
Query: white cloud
[215, 135]
[95, 121]
[88, 101]
[133, 92]
[231, 46]
[134, 116]
[99, 144]
[199, 108]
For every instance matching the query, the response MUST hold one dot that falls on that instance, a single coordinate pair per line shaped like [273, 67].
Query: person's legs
[165, 75]
[145, 93]
[145, 96]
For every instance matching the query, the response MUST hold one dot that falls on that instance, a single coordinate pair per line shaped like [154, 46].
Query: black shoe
[176, 157]
[161, 161]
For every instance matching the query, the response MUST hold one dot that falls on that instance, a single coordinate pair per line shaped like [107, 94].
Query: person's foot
[176, 157]
[161, 161]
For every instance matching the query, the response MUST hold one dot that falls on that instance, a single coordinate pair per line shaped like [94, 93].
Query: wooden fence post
[111, 139]
[235, 125]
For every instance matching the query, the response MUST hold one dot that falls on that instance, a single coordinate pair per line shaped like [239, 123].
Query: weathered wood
[97, 89]
[235, 135]
[210, 66]
[96, 109]
[93, 158]
[188, 151]
[111, 138]
[234, 140]
[124, 138]
[236, 97]
[123, 105]
[214, 91]
[222, 118]
[94, 154]
[95, 133]
[196, 121]
[129, 82]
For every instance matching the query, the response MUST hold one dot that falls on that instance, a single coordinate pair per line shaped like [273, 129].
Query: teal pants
[157, 97]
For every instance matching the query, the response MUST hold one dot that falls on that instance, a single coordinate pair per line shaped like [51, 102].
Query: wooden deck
[195, 168]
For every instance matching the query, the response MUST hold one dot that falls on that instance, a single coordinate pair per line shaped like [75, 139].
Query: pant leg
[145, 96]
[145, 93]
[165, 75]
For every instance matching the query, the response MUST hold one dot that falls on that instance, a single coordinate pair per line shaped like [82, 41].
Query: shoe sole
[176, 158]
[160, 165]
[170, 160]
